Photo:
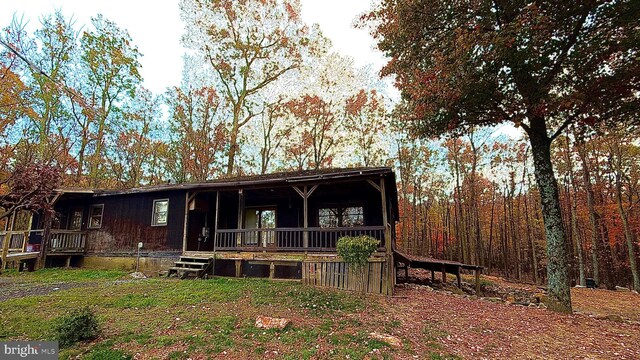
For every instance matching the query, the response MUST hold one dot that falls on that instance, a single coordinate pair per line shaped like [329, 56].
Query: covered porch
[308, 217]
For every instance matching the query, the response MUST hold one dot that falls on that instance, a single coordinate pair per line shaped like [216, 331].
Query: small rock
[389, 339]
[138, 275]
[265, 322]
[614, 317]
[620, 288]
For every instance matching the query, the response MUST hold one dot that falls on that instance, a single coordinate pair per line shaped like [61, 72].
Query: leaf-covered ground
[173, 319]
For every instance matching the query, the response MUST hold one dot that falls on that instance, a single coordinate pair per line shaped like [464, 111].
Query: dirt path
[12, 290]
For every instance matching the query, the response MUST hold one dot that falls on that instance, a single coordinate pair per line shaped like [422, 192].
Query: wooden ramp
[435, 265]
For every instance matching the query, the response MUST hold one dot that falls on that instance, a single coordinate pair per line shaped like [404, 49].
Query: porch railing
[291, 239]
[67, 241]
[17, 241]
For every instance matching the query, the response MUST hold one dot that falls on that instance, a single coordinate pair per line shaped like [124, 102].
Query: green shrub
[80, 325]
[356, 250]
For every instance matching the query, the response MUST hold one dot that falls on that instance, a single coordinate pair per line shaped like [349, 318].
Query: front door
[75, 219]
[262, 220]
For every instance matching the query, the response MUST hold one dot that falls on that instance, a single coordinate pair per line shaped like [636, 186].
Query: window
[95, 216]
[160, 212]
[341, 217]
[75, 220]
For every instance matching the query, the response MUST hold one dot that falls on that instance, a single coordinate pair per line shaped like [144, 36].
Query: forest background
[263, 91]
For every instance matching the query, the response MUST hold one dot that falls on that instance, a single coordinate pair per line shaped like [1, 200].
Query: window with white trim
[160, 215]
[95, 216]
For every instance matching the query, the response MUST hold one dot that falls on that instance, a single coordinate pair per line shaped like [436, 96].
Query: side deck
[26, 246]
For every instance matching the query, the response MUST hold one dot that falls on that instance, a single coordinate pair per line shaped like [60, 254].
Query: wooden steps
[191, 266]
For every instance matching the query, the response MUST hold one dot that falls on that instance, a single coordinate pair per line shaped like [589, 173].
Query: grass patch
[200, 318]
[56, 275]
[135, 301]
[105, 352]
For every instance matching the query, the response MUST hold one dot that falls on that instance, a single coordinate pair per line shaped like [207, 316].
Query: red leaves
[30, 187]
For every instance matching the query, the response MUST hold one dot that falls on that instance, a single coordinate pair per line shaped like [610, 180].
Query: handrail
[317, 238]
[67, 241]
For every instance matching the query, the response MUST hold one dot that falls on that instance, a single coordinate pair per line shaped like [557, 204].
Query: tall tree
[109, 75]
[540, 65]
[366, 120]
[249, 44]
[198, 136]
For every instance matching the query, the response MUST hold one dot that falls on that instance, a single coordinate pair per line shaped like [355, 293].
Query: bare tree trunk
[628, 234]
[602, 253]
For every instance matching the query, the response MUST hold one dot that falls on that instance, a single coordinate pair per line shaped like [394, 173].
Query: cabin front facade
[283, 225]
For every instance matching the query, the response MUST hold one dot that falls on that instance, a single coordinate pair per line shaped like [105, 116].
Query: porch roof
[278, 178]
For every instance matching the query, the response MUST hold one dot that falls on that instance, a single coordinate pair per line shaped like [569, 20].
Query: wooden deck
[436, 265]
[15, 247]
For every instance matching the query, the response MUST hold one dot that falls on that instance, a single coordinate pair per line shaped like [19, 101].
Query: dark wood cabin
[274, 225]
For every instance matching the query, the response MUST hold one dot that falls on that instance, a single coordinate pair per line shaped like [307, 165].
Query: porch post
[215, 222]
[215, 232]
[305, 193]
[305, 235]
[46, 239]
[387, 238]
[186, 219]
[385, 220]
[240, 215]
[46, 233]
[188, 198]
[5, 250]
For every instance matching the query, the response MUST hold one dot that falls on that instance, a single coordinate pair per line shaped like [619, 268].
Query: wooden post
[215, 232]
[305, 193]
[391, 282]
[477, 273]
[240, 216]
[444, 274]
[433, 276]
[187, 200]
[28, 232]
[272, 270]
[5, 249]
[238, 268]
[305, 217]
[25, 241]
[68, 262]
[406, 273]
[458, 278]
[46, 239]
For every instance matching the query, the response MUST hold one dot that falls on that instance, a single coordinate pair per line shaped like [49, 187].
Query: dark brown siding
[127, 220]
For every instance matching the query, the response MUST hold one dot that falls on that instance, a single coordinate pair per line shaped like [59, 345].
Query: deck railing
[70, 241]
[291, 239]
[17, 241]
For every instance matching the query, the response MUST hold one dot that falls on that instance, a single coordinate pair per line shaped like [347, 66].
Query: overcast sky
[155, 27]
